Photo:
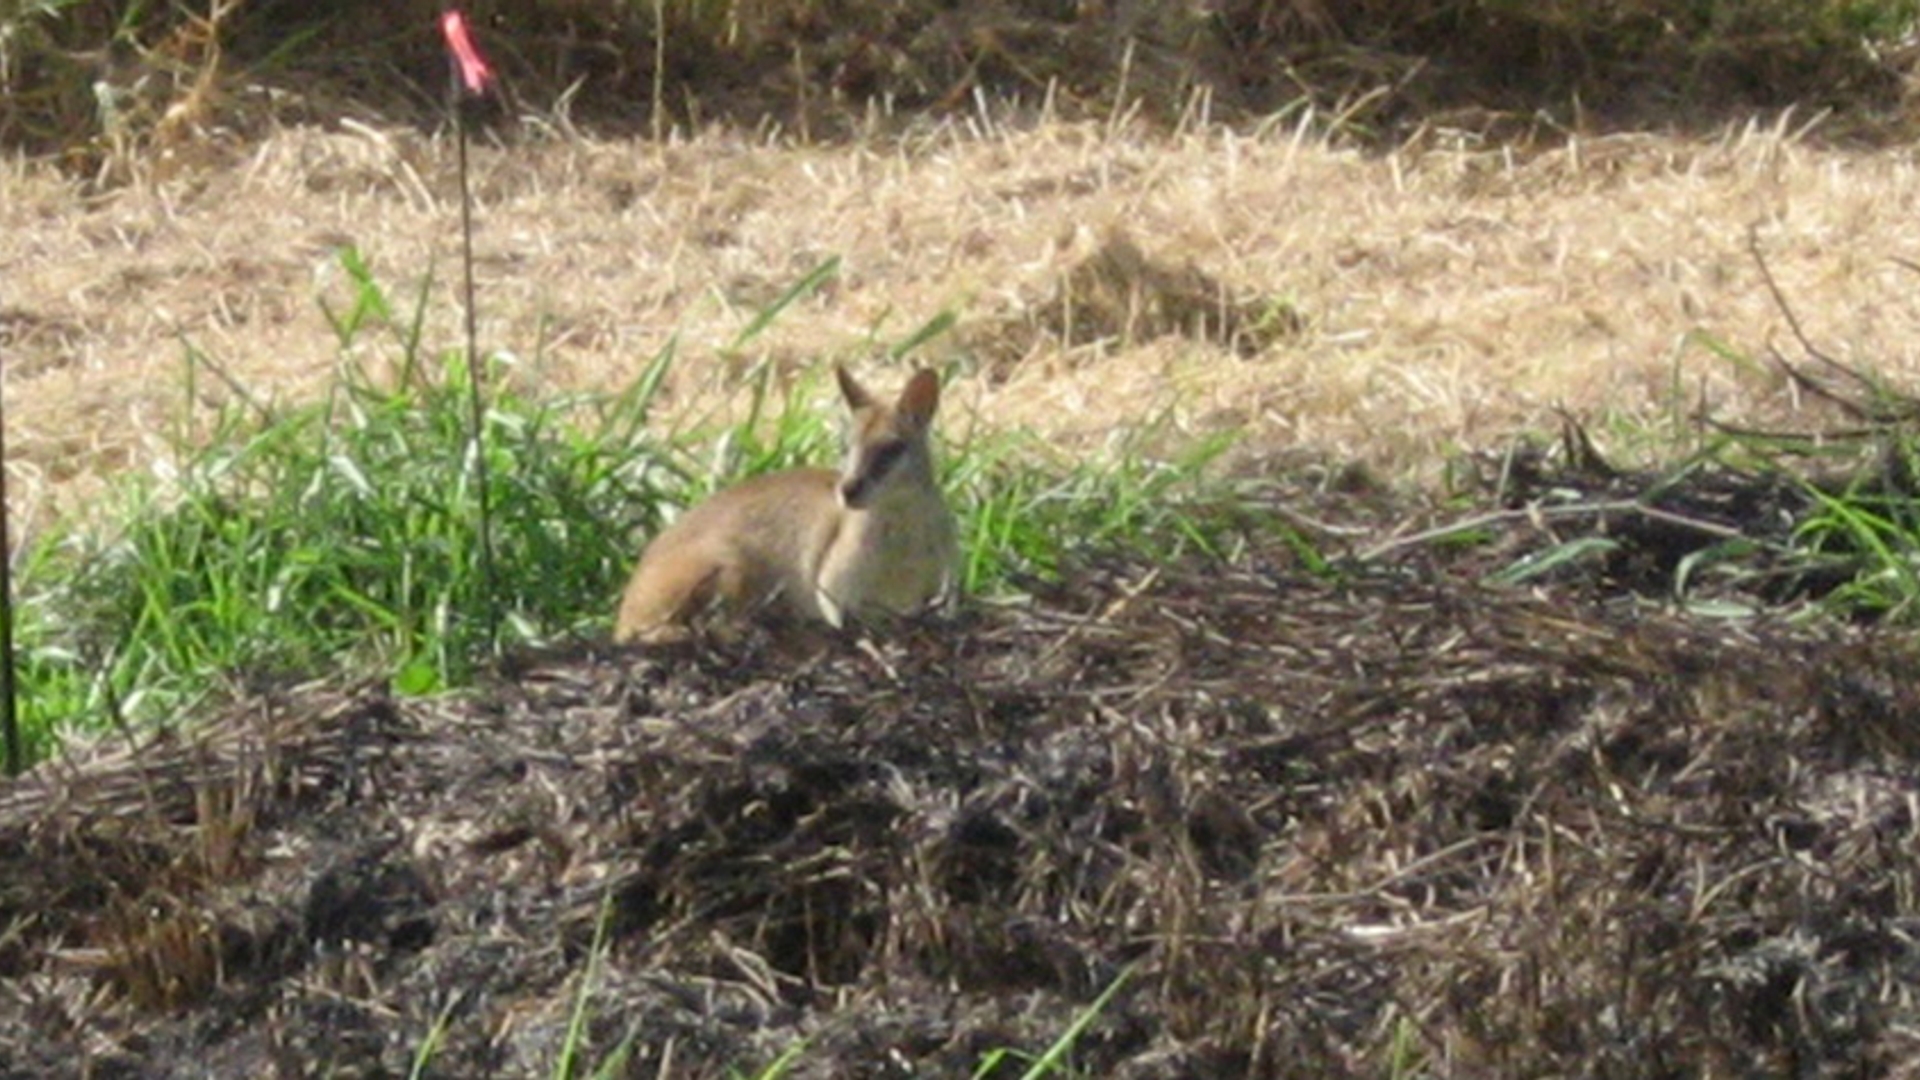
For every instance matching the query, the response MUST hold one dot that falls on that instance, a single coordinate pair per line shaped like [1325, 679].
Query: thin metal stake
[471, 78]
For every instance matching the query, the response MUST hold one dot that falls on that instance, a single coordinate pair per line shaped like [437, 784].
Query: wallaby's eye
[885, 457]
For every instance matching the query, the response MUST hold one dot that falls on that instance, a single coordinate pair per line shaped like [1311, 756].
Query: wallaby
[874, 539]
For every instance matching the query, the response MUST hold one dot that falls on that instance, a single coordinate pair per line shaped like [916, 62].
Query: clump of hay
[1118, 295]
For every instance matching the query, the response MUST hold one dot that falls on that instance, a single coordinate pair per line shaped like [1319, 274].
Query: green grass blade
[801, 289]
[1554, 558]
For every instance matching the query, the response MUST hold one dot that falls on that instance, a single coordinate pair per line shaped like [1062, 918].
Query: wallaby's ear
[920, 397]
[850, 389]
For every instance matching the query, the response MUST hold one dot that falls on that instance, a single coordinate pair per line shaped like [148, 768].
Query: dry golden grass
[1445, 295]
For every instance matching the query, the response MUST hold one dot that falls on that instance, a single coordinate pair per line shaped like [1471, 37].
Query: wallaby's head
[887, 444]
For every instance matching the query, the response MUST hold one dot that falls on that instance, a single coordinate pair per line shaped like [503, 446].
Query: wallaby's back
[876, 538]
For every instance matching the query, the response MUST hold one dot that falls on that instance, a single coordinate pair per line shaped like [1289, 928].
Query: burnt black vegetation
[1329, 825]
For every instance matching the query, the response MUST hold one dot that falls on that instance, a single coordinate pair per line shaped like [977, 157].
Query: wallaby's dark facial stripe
[884, 459]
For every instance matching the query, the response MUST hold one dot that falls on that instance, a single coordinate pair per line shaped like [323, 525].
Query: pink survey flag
[475, 75]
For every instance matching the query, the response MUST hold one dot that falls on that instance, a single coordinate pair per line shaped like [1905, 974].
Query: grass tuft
[1866, 537]
[1026, 510]
[342, 534]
